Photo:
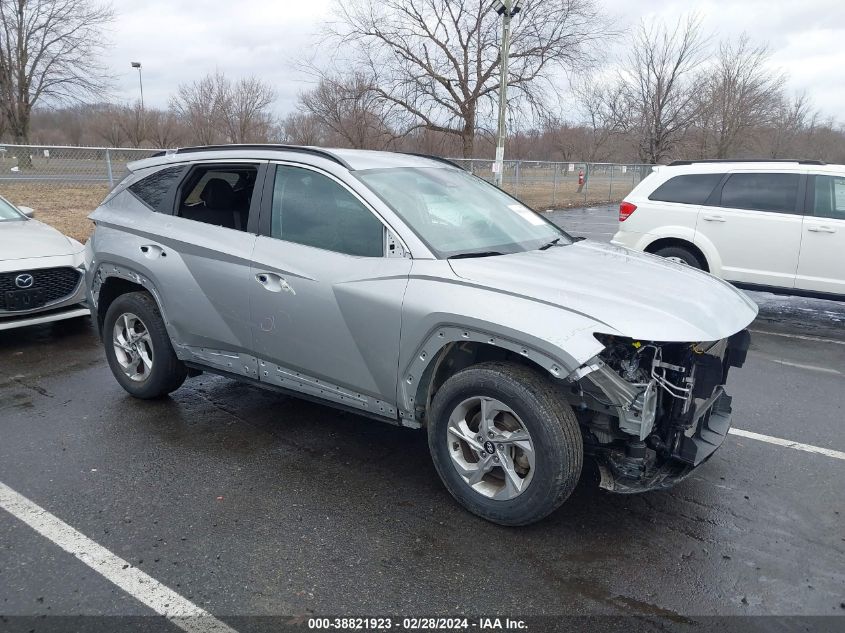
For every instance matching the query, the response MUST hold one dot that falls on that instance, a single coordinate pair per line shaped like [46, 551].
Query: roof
[353, 159]
[722, 166]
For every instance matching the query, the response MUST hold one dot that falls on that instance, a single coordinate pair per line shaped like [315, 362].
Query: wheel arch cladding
[111, 281]
[450, 348]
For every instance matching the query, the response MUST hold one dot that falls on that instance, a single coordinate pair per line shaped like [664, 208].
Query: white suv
[774, 225]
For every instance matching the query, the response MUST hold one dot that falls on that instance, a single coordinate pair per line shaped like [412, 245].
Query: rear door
[754, 223]
[821, 266]
[201, 254]
[326, 292]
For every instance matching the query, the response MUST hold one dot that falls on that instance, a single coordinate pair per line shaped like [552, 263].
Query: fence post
[554, 191]
[108, 167]
[610, 194]
[517, 177]
[586, 180]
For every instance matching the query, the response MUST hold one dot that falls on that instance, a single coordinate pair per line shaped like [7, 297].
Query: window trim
[175, 194]
[163, 205]
[266, 210]
[799, 196]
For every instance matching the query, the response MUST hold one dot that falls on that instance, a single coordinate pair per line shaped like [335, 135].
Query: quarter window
[687, 189]
[153, 189]
[761, 192]
[829, 197]
[312, 209]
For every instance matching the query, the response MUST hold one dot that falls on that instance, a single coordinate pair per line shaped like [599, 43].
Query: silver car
[40, 271]
[404, 289]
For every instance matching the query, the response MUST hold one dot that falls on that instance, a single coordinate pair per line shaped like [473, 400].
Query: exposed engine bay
[650, 412]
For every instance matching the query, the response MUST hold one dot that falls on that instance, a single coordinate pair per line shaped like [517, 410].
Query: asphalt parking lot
[249, 503]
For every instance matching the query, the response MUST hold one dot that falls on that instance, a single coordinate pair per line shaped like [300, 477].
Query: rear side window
[153, 189]
[761, 192]
[688, 189]
[829, 197]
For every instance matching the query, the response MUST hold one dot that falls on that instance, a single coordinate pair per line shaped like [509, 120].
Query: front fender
[440, 309]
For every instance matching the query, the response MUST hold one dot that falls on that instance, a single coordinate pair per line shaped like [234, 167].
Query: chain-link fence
[550, 185]
[64, 184]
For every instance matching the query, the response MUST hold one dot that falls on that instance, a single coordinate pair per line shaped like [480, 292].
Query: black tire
[684, 254]
[168, 372]
[545, 414]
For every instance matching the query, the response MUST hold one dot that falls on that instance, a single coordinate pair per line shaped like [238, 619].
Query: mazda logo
[24, 281]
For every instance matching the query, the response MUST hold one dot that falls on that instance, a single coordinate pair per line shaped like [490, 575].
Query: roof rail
[676, 163]
[314, 151]
[437, 158]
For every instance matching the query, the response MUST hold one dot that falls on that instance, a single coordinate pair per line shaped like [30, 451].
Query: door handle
[274, 283]
[821, 229]
[714, 218]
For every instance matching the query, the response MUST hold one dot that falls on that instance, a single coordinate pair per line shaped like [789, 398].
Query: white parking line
[825, 370]
[802, 337]
[144, 588]
[829, 452]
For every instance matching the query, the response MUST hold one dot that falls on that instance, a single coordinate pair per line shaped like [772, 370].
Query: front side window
[687, 189]
[457, 214]
[314, 210]
[219, 195]
[9, 213]
[829, 197]
[153, 189]
[761, 192]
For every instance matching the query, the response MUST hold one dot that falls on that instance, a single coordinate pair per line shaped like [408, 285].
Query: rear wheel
[680, 255]
[138, 347]
[505, 443]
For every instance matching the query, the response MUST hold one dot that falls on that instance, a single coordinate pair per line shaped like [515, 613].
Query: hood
[637, 295]
[20, 239]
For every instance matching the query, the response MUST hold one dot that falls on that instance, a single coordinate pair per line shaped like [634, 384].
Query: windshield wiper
[550, 244]
[475, 254]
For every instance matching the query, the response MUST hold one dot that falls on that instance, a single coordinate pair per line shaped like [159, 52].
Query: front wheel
[138, 347]
[505, 443]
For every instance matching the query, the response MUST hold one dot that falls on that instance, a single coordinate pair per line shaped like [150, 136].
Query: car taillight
[625, 210]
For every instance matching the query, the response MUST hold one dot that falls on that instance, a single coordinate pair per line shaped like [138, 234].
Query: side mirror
[27, 211]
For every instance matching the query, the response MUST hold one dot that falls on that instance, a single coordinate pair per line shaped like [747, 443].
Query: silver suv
[404, 289]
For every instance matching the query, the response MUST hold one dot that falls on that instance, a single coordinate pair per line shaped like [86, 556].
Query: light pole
[507, 9]
[140, 82]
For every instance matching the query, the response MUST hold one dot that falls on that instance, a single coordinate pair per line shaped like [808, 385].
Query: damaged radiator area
[650, 412]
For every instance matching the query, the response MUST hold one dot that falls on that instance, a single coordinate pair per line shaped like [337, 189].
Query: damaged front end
[651, 412]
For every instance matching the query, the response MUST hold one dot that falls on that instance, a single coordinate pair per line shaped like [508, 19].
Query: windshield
[8, 212]
[457, 214]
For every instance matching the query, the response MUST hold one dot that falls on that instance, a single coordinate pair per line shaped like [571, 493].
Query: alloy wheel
[133, 347]
[490, 448]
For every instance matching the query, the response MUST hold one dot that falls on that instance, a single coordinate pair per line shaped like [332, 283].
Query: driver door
[325, 296]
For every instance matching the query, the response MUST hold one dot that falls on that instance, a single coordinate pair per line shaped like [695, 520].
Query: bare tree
[48, 51]
[133, 123]
[201, 105]
[601, 120]
[164, 129]
[792, 120]
[657, 94]
[244, 109]
[300, 128]
[352, 109]
[214, 109]
[437, 60]
[738, 94]
[107, 126]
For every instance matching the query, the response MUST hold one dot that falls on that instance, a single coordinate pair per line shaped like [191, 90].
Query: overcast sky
[180, 40]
